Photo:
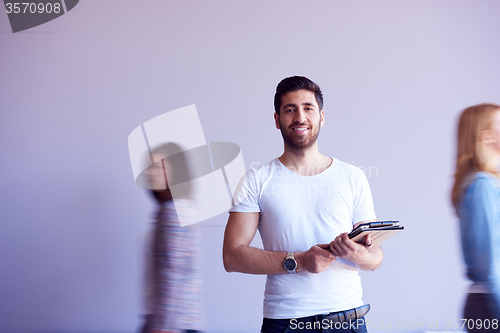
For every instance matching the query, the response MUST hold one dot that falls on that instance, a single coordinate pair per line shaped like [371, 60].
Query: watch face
[290, 264]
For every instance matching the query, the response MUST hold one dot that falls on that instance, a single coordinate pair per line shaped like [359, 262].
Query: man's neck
[306, 162]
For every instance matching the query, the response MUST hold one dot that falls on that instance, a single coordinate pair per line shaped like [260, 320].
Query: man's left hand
[362, 255]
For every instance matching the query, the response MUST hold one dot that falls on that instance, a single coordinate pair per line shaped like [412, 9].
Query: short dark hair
[295, 83]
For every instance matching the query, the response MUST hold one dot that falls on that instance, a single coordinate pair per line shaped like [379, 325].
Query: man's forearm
[373, 259]
[251, 260]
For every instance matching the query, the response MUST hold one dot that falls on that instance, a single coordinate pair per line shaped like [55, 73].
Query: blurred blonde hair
[471, 155]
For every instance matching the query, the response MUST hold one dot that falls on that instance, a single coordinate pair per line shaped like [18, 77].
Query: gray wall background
[395, 75]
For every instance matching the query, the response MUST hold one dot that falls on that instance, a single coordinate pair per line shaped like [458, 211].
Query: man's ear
[277, 120]
[322, 117]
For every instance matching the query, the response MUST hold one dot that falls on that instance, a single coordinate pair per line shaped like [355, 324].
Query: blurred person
[476, 198]
[175, 278]
[300, 202]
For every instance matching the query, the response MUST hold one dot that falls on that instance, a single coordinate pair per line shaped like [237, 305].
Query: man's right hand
[315, 260]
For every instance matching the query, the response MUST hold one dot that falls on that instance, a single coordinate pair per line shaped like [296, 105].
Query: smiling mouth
[300, 129]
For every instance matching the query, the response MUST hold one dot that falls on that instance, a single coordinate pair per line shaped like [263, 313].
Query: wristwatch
[290, 263]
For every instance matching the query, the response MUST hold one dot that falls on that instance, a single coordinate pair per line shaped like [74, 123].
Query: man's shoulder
[345, 169]
[258, 173]
[263, 169]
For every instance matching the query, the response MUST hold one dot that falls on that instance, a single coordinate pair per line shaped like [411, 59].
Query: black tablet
[378, 231]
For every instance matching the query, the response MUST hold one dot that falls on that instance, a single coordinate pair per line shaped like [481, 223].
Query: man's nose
[300, 116]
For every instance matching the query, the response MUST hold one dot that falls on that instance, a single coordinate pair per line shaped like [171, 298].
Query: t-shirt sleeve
[363, 203]
[246, 196]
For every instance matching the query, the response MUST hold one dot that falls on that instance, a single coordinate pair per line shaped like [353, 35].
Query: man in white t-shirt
[303, 204]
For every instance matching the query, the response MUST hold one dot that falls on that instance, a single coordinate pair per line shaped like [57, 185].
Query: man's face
[300, 119]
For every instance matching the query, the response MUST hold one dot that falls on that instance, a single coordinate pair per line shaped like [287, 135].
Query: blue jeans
[313, 324]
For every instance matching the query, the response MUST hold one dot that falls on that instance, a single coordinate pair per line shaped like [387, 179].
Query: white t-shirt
[297, 212]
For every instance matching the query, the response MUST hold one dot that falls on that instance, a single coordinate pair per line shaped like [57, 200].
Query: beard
[300, 143]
